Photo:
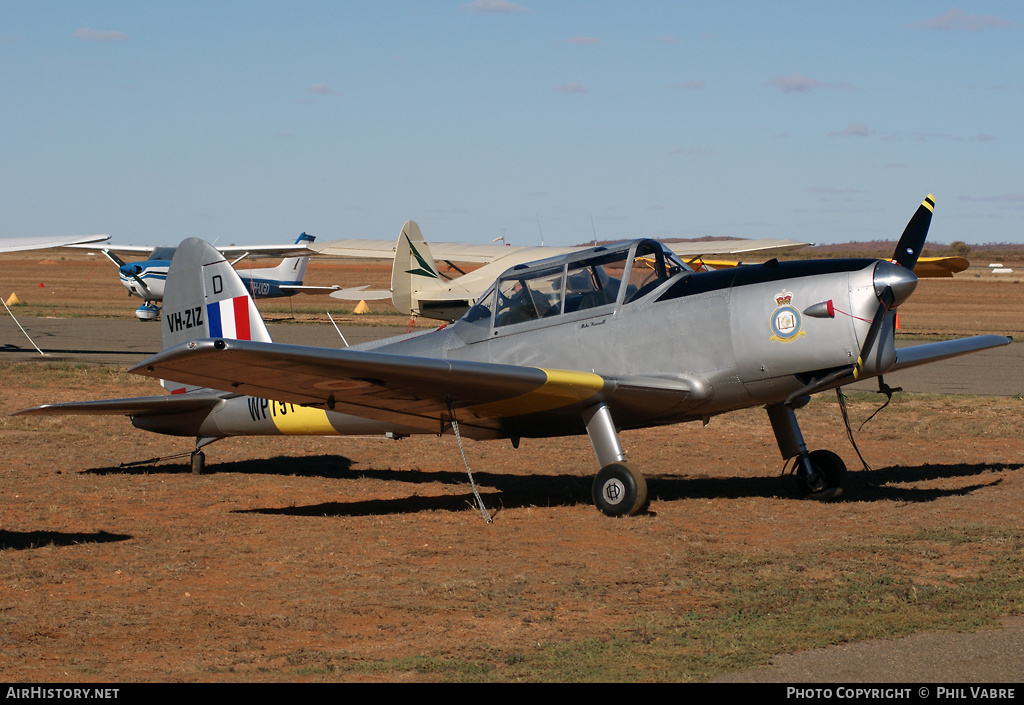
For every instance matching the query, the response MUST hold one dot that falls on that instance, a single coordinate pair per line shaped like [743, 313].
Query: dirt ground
[316, 559]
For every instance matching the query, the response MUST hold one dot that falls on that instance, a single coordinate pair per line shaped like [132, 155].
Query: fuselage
[262, 283]
[747, 335]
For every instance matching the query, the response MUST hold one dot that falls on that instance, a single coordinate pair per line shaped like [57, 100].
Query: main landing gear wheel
[619, 490]
[198, 462]
[831, 476]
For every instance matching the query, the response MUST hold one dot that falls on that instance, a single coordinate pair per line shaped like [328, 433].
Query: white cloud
[322, 89]
[666, 39]
[584, 41]
[493, 7]
[799, 83]
[97, 35]
[833, 190]
[854, 129]
[574, 87]
[1001, 198]
[795, 83]
[957, 19]
[690, 85]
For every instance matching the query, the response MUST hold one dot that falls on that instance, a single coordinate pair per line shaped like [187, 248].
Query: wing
[489, 399]
[18, 244]
[915, 355]
[450, 251]
[361, 293]
[926, 267]
[690, 250]
[461, 252]
[306, 288]
[931, 267]
[255, 251]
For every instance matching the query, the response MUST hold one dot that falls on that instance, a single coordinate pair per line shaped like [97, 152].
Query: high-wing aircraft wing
[482, 254]
[926, 267]
[18, 244]
[418, 287]
[255, 251]
[934, 267]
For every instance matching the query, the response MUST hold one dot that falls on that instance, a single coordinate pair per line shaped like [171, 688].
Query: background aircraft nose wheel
[198, 462]
[619, 490]
[830, 476]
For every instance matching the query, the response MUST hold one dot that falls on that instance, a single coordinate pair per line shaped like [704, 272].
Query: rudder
[413, 269]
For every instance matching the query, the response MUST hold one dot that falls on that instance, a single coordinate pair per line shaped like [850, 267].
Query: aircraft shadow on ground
[333, 467]
[18, 540]
[506, 491]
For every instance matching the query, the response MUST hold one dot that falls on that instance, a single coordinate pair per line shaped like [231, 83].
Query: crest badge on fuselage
[785, 320]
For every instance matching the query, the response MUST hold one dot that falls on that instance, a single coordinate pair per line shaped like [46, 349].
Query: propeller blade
[137, 278]
[908, 249]
[112, 257]
[885, 301]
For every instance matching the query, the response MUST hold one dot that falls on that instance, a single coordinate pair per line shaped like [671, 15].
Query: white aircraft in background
[418, 288]
[146, 278]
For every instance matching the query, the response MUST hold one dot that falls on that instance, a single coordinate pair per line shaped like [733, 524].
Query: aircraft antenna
[540, 231]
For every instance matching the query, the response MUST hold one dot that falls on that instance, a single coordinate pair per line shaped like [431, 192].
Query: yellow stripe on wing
[562, 388]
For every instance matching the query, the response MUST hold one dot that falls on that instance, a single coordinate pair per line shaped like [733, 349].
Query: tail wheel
[831, 472]
[619, 490]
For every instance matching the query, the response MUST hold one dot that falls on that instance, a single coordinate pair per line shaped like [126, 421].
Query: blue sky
[248, 122]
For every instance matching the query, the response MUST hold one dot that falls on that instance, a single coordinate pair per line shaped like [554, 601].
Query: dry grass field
[359, 559]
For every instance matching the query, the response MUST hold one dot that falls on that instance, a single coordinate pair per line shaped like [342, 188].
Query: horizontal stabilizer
[361, 293]
[307, 288]
[137, 406]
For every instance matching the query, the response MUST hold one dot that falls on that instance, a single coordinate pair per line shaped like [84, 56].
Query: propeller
[894, 282]
[885, 302]
[130, 270]
[908, 250]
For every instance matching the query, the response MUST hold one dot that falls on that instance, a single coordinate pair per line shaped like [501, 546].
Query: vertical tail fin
[205, 298]
[413, 270]
[292, 270]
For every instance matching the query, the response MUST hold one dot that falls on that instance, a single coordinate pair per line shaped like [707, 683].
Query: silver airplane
[593, 342]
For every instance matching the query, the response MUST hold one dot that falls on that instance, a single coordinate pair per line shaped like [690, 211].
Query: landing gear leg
[618, 489]
[821, 474]
[198, 456]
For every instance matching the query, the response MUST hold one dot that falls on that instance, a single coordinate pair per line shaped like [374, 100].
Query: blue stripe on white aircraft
[147, 278]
